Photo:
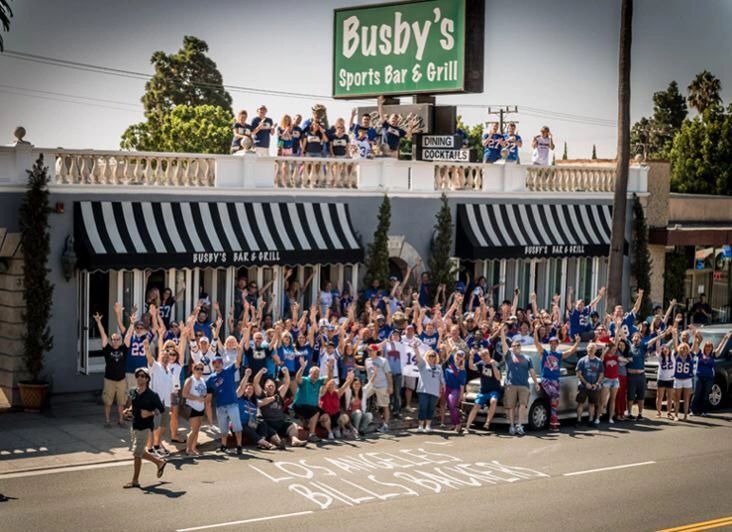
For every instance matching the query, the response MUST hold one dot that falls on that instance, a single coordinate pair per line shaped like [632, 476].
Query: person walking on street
[142, 405]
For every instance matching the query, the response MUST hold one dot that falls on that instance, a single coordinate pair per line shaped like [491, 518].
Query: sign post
[408, 48]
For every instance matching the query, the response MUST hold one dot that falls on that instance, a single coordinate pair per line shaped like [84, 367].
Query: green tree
[701, 156]
[189, 129]
[594, 152]
[475, 136]
[652, 137]
[674, 274]
[37, 289]
[704, 91]
[5, 15]
[188, 77]
[641, 263]
[564, 153]
[377, 252]
[442, 268]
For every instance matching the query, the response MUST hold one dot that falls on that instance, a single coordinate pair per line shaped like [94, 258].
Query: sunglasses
[198, 368]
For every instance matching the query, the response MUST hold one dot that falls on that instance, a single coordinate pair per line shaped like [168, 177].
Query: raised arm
[102, 333]
[244, 382]
[118, 315]
[572, 350]
[285, 386]
[346, 384]
[671, 306]
[504, 343]
[257, 379]
[638, 301]
[598, 297]
[130, 329]
[570, 299]
[720, 348]
[537, 342]
[300, 370]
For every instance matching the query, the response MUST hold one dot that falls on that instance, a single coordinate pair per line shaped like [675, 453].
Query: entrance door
[94, 297]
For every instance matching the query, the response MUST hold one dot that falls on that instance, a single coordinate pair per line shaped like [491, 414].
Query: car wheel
[539, 415]
[716, 395]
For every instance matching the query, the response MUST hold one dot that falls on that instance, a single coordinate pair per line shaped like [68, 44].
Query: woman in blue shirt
[705, 361]
[455, 378]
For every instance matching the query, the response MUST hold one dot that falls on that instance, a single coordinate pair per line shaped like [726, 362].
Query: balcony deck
[94, 168]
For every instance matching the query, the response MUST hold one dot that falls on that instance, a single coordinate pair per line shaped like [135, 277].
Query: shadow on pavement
[158, 490]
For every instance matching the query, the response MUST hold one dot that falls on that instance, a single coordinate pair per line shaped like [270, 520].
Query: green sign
[404, 48]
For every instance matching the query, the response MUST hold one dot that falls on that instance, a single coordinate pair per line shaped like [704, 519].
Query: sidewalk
[72, 433]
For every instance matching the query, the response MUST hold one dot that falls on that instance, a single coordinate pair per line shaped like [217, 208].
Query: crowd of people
[366, 137]
[348, 365]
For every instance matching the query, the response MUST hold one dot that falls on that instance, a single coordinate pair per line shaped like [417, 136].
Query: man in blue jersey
[262, 129]
[365, 124]
[628, 319]
[512, 142]
[490, 387]
[492, 141]
[579, 316]
[222, 385]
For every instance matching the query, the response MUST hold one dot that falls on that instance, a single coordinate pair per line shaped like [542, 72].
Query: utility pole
[501, 111]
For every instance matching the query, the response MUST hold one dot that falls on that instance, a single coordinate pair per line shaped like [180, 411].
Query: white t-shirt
[324, 358]
[163, 379]
[540, 155]
[409, 362]
[198, 388]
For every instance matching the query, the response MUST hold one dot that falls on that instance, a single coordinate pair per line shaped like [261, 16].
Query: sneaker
[313, 438]
[238, 450]
[331, 436]
[337, 433]
[383, 428]
[428, 428]
[639, 417]
[512, 430]
[520, 430]
[107, 424]
[611, 421]
[597, 421]
[221, 449]
[420, 429]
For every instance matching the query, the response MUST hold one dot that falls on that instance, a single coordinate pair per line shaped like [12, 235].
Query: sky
[556, 60]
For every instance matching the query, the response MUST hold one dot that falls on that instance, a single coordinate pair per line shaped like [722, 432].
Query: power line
[66, 95]
[5, 91]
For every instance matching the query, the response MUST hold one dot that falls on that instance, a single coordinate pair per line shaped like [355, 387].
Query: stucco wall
[700, 208]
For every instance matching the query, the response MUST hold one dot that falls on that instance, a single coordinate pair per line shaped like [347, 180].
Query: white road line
[41, 472]
[254, 520]
[438, 442]
[586, 472]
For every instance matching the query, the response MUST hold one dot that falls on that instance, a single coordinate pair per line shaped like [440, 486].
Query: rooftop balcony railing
[148, 169]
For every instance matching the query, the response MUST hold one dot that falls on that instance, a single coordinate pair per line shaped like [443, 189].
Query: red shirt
[330, 402]
[611, 366]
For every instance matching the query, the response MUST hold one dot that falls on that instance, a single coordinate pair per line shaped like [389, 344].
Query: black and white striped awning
[518, 230]
[116, 235]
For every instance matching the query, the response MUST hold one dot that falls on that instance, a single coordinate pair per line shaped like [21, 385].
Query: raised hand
[97, 317]
[247, 373]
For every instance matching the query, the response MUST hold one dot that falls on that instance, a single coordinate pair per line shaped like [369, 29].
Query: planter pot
[33, 395]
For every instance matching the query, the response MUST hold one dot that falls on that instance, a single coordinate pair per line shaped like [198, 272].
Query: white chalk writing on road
[357, 479]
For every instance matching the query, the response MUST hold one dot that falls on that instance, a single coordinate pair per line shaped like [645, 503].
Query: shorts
[680, 384]
[196, 413]
[483, 399]
[262, 152]
[161, 420]
[382, 397]
[409, 382]
[139, 442]
[584, 394]
[306, 411]
[514, 394]
[228, 414]
[114, 389]
[636, 387]
[271, 428]
[665, 384]
[611, 383]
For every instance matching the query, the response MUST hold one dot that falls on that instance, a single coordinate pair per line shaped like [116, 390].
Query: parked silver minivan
[539, 412]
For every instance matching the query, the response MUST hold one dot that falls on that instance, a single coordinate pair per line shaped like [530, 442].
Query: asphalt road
[635, 476]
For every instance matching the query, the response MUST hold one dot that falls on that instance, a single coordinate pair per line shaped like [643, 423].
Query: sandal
[161, 468]
[131, 485]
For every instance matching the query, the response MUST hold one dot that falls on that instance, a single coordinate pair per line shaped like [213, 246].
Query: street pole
[617, 243]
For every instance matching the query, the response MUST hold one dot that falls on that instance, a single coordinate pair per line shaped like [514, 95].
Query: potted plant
[37, 289]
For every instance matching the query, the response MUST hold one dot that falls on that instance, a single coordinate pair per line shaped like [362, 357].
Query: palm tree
[5, 15]
[704, 91]
[617, 242]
